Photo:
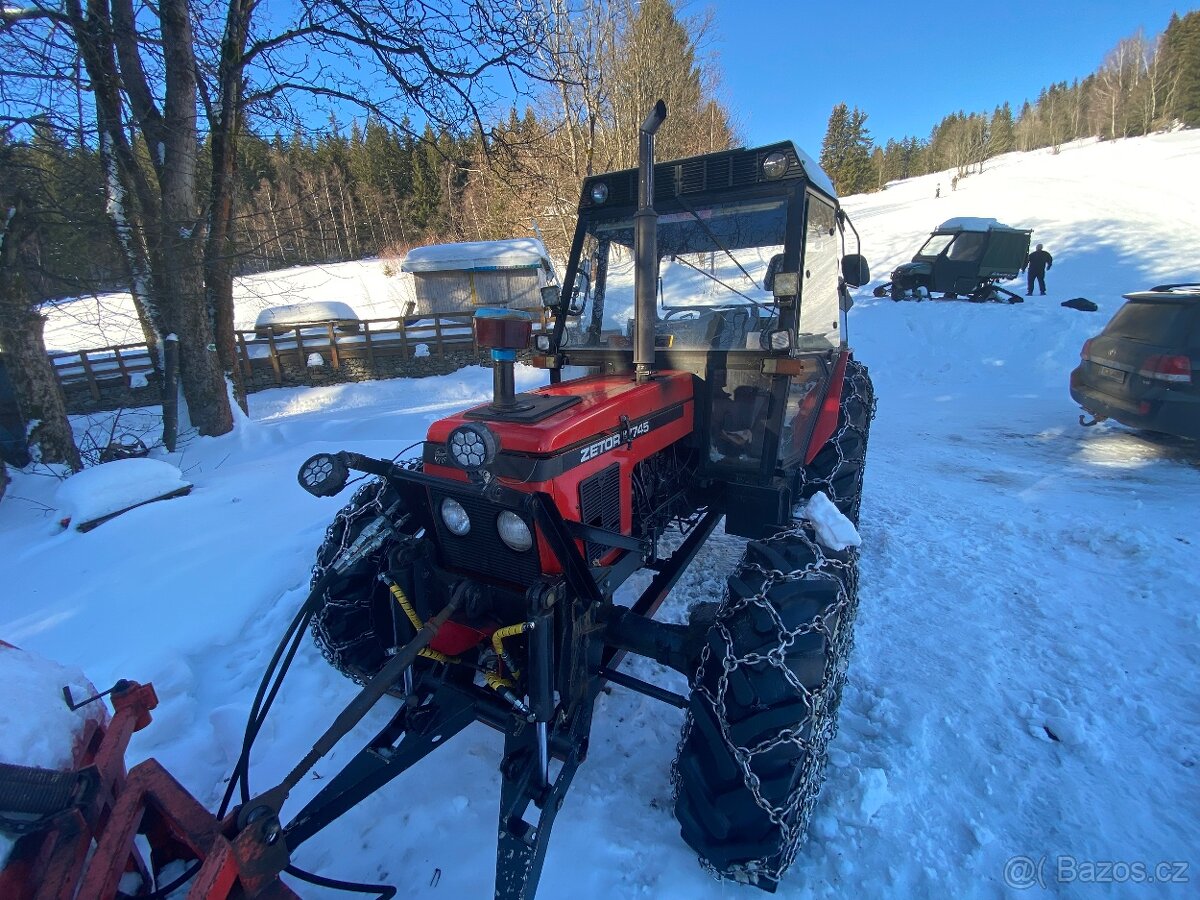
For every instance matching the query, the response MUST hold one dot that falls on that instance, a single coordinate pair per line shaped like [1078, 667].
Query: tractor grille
[600, 506]
[480, 550]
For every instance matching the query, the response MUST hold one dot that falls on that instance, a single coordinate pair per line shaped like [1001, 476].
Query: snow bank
[114, 486]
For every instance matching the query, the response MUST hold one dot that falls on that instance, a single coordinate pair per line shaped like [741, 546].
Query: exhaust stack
[645, 248]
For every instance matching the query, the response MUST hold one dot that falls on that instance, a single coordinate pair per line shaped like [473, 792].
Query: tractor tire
[838, 467]
[763, 707]
[352, 624]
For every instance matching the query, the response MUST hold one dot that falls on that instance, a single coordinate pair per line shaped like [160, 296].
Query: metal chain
[857, 390]
[339, 606]
[818, 726]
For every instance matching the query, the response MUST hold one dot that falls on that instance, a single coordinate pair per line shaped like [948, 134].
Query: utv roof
[711, 173]
[973, 223]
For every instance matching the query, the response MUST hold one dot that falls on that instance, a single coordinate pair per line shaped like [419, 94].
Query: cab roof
[711, 174]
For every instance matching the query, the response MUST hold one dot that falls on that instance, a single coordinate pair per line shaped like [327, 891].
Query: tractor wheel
[352, 626]
[897, 292]
[764, 707]
[837, 469]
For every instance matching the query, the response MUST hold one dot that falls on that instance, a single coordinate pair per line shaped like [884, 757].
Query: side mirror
[773, 267]
[550, 296]
[855, 271]
[580, 292]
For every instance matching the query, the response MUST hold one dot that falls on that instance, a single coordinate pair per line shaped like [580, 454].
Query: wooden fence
[315, 353]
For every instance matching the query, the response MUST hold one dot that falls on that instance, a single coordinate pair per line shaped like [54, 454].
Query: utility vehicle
[963, 256]
[475, 581]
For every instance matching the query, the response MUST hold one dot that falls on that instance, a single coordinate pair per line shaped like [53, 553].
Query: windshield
[935, 245]
[712, 262]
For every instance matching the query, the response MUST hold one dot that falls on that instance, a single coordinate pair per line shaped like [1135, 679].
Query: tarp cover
[476, 256]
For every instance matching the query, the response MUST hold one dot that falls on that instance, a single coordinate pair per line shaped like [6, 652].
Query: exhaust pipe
[645, 249]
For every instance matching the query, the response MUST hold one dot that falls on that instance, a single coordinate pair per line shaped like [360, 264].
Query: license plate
[1116, 375]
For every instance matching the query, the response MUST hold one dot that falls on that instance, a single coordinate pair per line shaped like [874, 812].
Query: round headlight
[775, 165]
[513, 531]
[473, 446]
[455, 517]
[599, 192]
[542, 342]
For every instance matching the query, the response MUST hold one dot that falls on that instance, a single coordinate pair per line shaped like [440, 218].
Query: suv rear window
[1152, 323]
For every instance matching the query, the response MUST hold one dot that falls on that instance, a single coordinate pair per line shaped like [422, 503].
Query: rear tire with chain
[352, 625]
[838, 467]
[764, 707]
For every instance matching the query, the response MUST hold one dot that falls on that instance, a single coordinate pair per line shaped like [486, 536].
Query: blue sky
[786, 63]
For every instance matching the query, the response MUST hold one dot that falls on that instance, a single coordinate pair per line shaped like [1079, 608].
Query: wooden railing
[372, 342]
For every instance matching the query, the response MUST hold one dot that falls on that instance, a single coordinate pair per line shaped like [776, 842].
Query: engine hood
[604, 401]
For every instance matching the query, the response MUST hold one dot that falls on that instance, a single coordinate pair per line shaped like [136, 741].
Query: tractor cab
[746, 294]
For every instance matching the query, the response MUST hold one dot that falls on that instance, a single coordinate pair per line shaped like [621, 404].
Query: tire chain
[856, 389]
[367, 502]
[821, 723]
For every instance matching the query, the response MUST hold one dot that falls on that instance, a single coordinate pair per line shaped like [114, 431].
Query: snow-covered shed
[451, 278]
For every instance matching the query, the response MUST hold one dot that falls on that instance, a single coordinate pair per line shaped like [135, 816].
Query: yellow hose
[496, 681]
[406, 605]
[498, 637]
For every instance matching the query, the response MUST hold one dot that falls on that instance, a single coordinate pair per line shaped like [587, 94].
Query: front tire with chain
[352, 624]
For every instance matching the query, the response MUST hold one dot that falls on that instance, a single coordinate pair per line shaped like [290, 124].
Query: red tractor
[706, 299]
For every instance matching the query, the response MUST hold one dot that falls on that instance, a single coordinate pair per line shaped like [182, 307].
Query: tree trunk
[219, 252]
[34, 381]
[38, 393]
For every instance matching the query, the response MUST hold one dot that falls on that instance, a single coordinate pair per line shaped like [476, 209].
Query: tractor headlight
[599, 192]
[542, 342]
[513, 531]
[775, 165]
[473, 446]
[455, 517]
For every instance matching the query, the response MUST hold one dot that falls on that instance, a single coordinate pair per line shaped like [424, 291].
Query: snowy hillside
[1024, 679]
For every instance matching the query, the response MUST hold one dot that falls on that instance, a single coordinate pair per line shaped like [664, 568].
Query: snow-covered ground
[1023, 683]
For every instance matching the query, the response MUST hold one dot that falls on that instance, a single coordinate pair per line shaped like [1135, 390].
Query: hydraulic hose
[498, 637]
[370, 694]
[406, 605]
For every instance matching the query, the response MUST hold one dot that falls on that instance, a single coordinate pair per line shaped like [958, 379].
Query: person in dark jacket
[1038, 263]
